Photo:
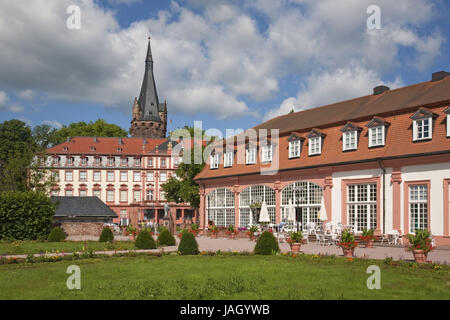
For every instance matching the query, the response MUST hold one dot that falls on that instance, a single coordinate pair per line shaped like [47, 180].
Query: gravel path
[440, 256]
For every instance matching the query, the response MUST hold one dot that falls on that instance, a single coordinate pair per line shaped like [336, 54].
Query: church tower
[149, 116]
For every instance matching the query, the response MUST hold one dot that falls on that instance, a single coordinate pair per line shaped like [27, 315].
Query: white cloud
[6, 106]
[325, 88]
[3, 99]
[215, 59]
[52, 123]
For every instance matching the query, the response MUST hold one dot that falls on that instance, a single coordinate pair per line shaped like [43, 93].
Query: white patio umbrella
[264, 214]
[291, 212]
[323, 211]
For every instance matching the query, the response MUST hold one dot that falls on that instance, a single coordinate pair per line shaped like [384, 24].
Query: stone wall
[82, 228]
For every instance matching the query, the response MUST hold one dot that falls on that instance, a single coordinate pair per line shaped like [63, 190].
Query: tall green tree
[17, 149]
[45, 136]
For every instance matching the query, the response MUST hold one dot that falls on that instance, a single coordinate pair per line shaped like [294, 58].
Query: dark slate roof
[82, 207]
[148, 98]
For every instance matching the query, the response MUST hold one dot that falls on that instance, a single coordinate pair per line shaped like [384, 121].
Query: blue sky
[231, 64]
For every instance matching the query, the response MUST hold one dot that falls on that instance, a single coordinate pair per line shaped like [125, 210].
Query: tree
[182, 187]
[99, 128]
[45, 136]
[17, 149]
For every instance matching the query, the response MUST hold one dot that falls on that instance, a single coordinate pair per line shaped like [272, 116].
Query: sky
[230, 64]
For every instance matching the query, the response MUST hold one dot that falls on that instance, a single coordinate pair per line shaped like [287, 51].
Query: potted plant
[231, 232]
[194, 229]
[348, 243]
[420, 244]
[255, 208]
[131, 232]
[214, 231]
[295, 241]
[368, 237]
[251, 232]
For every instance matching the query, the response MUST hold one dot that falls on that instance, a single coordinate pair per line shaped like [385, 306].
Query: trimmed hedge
[56, 235]
[106, 235]
[25, 215]
[188, 245]
[165, 238]
[267, 244]
[145, 240]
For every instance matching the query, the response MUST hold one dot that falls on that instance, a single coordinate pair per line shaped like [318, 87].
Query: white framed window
[83, 161]
[294, 149]
[123, 176]
[111, 176]
[136, 176]
[162, 195]
[111, 161]
[418, 207]
[55, 192]
[110, 195]
[137, 162]
[163, 177]
[97, 176]
[214, 161]
[96, 193]
[315, 145]
[55, 176]
[267, 153]
[56, 161]
[362, 206]
[123, 217]
[70, 161]
[163, 162]
[150, 176]
[149, 195]
[123, 195]
[83, 193]
[422, 129]
[350, 140]
[98, 161]
[250, 156]
[150, 162]
[123, 161]
[83, 176]
[69, 176]
[377, 136]
[69, 193]
[137, 195]
[228, 159]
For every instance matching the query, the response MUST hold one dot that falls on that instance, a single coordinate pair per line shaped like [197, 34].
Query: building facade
[125, 173]
[380, 161]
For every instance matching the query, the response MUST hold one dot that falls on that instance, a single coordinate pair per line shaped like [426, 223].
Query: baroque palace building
[380, 161]
[125, 173]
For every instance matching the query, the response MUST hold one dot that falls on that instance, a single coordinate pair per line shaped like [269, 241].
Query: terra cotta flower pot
[295, 247]
[348, 253]
[420, 256]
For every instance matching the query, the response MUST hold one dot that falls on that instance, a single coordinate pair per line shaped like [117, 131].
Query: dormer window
[137, 162]
[214, 161]
[98, 161]
[70, 161]
[83, 161]
[56, 161]
[294, 145]
[315, 142]
[377, 132]
[92, 149]
[250, 155]
[267, 153]
[228, 159]
[119, 149]
[65, 148]
[110, 161]
[123, 161]
[350, 136]
[447, 111]
[422, 124]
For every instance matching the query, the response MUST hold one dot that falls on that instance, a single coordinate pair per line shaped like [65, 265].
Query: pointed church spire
[148, 98]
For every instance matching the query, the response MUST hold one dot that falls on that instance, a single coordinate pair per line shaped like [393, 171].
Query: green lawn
[222, 277]
[25, 247]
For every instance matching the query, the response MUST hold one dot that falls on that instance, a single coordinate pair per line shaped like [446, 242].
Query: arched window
[255, 195]
[220, 207]
[306, 198]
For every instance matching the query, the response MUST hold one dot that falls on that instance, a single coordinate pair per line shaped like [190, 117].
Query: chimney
[120, 141]
[95, 139]
[380, 90]
[68, 139]
[436, 76]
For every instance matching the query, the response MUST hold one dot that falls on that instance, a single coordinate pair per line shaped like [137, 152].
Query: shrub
[145, 240]
[420, 241]
[107, 235]
[165, 238]
[25, 215]
[56, 235]
[188, 245]
[267, 244]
